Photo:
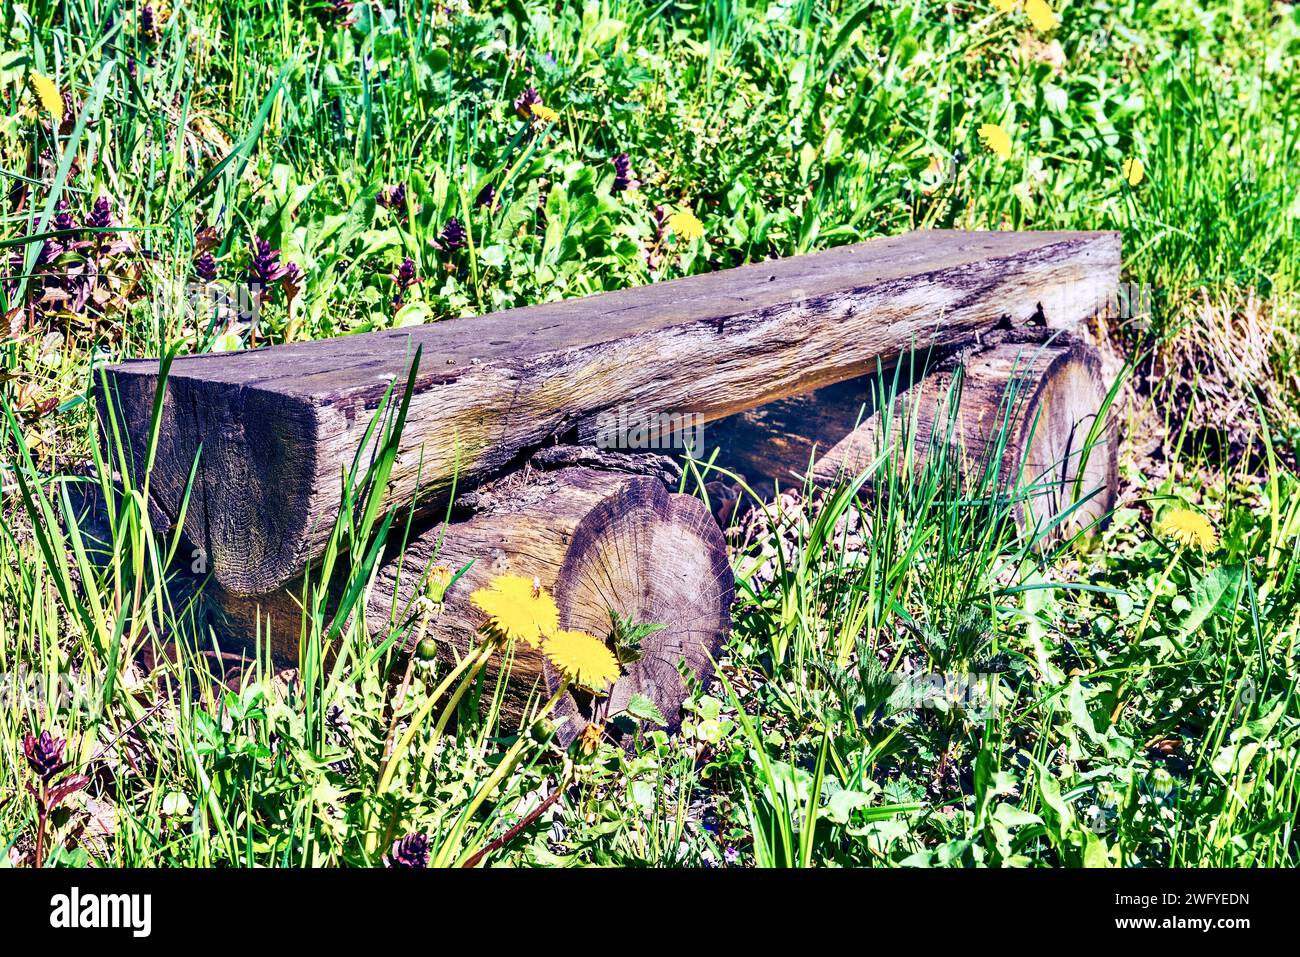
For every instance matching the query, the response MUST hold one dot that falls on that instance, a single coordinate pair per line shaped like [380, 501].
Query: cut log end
[652, 558]
[1071, 459]
[256, 452]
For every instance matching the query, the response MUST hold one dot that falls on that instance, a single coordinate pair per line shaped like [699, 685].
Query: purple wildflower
[487, 196]
[453, 234]
[149, 24]
[527, 99]
[264, 267]
[44, 754]
[404, 279]
[623, 173]
[62, 218]
[393, 197]
[405, 275]
[205, 267]
[51, 249]
[731, 856]
[101, 218]
[101, 215]
[410, 852]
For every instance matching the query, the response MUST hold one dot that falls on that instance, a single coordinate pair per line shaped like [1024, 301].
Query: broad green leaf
[641, 707]
[1218, 587]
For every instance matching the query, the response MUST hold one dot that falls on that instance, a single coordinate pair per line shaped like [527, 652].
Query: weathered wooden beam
[1031, 398]
[279, 426]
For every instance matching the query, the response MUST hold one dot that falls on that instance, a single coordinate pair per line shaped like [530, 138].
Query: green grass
[1114, 700]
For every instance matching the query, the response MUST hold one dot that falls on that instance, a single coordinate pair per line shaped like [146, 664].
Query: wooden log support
[604, 534]
[279, 427]
[654, 558]
[1043, 391]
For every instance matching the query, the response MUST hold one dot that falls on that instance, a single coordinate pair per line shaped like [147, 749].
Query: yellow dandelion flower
[996, 139]
[1041, 15]
[1133, 170]
[518, 607]
[582, 659]
[543, 113]
[685, 225]
[1190, 529]
[1004, 6]
[47, 91]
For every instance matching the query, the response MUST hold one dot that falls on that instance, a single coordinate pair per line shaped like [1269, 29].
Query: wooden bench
[280, 427]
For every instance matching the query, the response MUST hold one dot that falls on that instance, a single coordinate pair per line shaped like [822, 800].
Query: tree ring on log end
[656, 558]
[1069, 457]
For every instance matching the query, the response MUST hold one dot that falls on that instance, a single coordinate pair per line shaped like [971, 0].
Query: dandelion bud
[1162, 783]
[542, 730]
[436, 586]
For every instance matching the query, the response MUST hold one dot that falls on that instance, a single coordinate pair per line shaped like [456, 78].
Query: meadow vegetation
[941, 691]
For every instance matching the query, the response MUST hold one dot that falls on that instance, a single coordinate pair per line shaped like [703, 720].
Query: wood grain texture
[1045, 389]
[654, 558]
[279, 426]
